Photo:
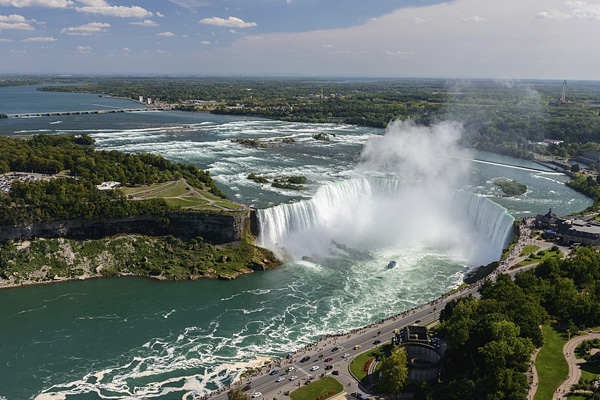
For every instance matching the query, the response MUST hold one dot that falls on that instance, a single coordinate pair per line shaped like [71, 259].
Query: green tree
[237, 394]
[423, 392]
[394, 372]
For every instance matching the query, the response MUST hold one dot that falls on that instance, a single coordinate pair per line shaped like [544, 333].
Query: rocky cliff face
[215, 228]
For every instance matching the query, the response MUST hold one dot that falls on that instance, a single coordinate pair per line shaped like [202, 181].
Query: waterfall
[490, 220]
[368, 213]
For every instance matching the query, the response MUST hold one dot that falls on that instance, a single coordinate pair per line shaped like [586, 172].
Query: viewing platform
[107, 111]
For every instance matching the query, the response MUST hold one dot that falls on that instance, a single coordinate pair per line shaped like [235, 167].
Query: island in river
[83, 213]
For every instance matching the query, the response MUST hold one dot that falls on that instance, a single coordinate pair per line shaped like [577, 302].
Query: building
[424, 358]
[547, 221]
[149, 100]
[141, 99]
[579, 231]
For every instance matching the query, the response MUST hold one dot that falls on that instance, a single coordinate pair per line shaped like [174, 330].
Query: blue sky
[460, 38]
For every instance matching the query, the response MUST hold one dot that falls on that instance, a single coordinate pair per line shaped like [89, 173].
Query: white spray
[406, 195]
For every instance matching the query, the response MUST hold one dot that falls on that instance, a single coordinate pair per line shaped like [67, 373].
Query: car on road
[291, 369]
[328, 367]
[418, 321]
[247, 387]
[335, 349]
[274, 372]
[346, 355]
[336, 372]
[256, 394]
[305, 359]
[293, 377]
[377, 342]
[396, 330]
[357, 347]
[359, 396]
[280, 379]
[314, 368]
[328, 359]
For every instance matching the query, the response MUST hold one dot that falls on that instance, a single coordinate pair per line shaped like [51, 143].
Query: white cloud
[205, 42]
[160, 15]
[233, 22]
[93, 28]
[126, 49]
[22, 26]
[5, 40]
[84, 49]
[12, 18]
[403, 54]
[16, 22]
[511, 43]
[475, 18]
[15, 52]
[418, 20]
[146, 22]
[36, 3]
[39, 39]
[327, 46]
[103, 8]
[166, 34]
[575, 10]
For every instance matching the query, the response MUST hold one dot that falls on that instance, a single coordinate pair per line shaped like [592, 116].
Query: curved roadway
[364, 337]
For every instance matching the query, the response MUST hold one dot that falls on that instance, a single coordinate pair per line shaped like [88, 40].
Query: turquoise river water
[145, 339]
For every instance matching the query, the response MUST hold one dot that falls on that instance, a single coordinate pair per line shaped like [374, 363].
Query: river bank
[423, 314]
[42, 261]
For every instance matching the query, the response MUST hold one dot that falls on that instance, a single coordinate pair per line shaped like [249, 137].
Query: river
[141, 338]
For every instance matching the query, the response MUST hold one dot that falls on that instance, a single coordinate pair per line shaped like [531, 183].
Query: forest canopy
[73, 194]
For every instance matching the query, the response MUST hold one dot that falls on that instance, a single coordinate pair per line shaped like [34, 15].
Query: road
[323, 349]
[364, 337]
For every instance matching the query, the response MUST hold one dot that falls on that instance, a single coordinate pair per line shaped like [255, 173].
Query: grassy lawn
[228, 204]
[530, 249]
[211, 208]
[185, 202]
[326, 387]
[140, 190]
[176, 193]
[358, 363]
[550, 364]
[178, 189]
[590, 371]
[537, 258]
[210, 196]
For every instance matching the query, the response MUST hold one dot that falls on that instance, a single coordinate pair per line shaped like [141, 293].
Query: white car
[314, 368]
[280, 379]
[293, 377]
[346, 355]
[256, 394]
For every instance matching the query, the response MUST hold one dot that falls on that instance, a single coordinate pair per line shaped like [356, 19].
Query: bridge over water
[106, 111]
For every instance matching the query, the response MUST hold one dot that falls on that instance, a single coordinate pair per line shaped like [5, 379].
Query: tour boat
[391, 264]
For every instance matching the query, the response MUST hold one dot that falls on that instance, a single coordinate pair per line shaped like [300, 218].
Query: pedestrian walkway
[534, 379]
[341, 396]
[574, 371]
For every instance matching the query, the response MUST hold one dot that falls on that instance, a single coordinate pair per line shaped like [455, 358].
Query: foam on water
[374, 213]
[201, 335]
